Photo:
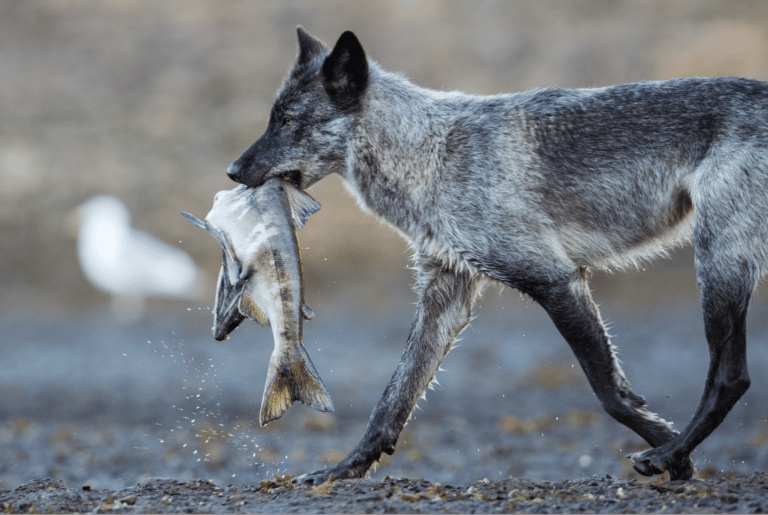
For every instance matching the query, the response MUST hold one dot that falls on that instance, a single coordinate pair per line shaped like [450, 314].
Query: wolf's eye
[287, 122]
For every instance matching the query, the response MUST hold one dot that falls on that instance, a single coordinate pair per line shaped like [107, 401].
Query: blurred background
[151, 101]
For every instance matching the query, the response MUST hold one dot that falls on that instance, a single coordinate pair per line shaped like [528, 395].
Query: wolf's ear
[309, 47]
[346, 69]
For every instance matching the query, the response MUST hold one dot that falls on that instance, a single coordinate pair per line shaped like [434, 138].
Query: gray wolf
[261, 278]
[533, 190]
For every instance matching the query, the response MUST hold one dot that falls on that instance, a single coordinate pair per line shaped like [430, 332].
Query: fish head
[226, 313]
[229, 289]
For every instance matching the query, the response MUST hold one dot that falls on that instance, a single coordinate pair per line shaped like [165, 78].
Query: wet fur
[534, 189]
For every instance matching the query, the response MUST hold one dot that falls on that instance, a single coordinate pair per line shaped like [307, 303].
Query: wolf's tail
[292, 377]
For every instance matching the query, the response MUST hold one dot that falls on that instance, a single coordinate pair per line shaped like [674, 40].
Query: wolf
[535, 190]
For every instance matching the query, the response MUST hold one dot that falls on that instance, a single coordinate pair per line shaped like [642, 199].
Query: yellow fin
[249, 308]
[293, 378]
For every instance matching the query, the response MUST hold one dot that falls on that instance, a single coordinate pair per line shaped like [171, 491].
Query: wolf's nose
[233, 172]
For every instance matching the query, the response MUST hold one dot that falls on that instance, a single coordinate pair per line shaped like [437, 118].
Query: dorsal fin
[302, 204]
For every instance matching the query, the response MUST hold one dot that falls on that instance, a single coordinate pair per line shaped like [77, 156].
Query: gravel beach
[106, 411]
[593, 495]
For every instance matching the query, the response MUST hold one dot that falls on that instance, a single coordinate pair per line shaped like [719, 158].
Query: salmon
[261, 279]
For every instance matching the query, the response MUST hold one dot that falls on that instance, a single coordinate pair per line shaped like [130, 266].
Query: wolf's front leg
[442, 312]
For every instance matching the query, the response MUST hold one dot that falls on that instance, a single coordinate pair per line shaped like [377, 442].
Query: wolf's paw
[656, 461]
[341, 471]
[646, 464]
[312, 478]
[356, 464]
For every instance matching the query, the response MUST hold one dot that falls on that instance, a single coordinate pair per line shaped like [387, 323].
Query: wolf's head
[312, 116]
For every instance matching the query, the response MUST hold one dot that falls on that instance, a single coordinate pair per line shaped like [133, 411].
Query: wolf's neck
[395, 154]
[401, 119]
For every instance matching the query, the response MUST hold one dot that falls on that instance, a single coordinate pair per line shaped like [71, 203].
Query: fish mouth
[227, 317]
[294, 177]
[221, 330]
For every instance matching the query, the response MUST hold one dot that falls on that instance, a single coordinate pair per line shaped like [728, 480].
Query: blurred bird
[130, 264]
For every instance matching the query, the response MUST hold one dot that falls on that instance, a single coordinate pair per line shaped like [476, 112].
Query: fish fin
[302, 204]
[230, 263]
[292, 378]
[306, 312]
[223, 241]
[248, 307]
[231, 269]
[220, 237]
[194, 220]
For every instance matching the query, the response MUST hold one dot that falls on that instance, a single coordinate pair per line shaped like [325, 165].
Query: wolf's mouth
[294, 177]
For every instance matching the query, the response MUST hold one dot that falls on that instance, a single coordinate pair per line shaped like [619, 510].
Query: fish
[261, 278]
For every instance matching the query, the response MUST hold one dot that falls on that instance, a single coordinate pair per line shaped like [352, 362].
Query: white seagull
[130, 264]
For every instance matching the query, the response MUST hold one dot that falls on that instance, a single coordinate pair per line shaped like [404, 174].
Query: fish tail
[293, 378]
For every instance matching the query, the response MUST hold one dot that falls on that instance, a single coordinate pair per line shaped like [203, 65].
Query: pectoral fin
[194, 220]
[290, 379]
[232, 265]
[306, 312]
[249, 308]
[302, 204]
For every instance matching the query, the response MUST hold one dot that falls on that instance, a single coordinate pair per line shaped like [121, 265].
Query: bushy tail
[292, 377]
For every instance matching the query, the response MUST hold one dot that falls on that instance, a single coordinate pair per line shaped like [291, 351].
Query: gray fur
[534, 189]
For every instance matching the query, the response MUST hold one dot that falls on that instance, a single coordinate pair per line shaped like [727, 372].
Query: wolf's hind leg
[442, 312]
[728, 275]
[576, 316]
